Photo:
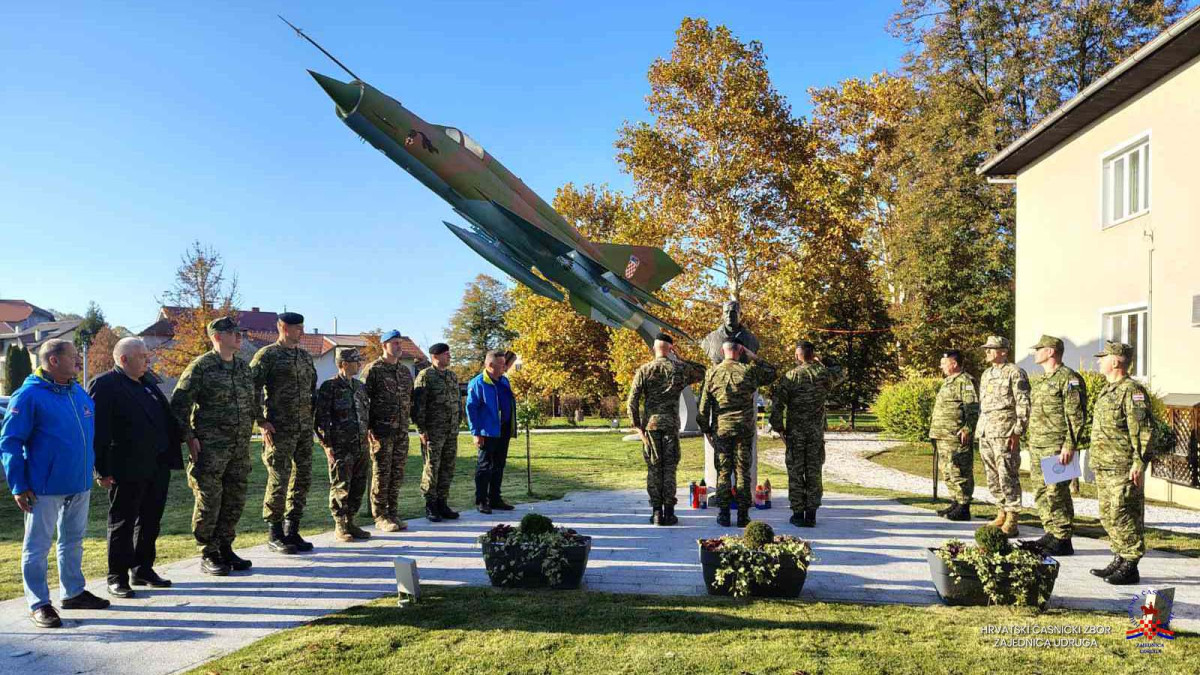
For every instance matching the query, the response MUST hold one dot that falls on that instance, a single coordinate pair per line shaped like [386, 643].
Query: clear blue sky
[127, 132]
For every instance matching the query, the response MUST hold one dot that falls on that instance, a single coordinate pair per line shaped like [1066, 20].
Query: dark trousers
[489, 471]
[135, 509]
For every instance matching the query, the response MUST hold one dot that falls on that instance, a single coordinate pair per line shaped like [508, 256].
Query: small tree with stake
[529, 415]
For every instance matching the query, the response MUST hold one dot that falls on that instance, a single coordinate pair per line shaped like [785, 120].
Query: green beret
[439, 348]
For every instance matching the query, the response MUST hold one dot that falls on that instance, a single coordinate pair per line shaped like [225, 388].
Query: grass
[561, 463]
[917, 459]
[473, 630]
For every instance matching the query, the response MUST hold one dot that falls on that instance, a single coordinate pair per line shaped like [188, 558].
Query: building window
[1127, 183]
[1130, 327]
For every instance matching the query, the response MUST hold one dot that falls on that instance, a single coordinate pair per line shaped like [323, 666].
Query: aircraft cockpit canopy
[460, 137]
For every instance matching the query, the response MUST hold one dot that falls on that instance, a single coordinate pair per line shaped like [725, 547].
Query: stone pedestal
[710, 470]
[689, 412]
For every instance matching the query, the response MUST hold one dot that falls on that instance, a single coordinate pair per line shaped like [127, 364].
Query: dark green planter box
[577, 559]
[787, 584]
[968, 589]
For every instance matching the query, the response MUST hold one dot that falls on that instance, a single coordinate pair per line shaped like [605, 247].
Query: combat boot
[212, 564]
[291, 534]
[810, 517]
[355, 531]
[797, 518]
[656, 516]
[960, 512]
[998, 521]
[1055, 546]
[668, 516]
[276, 541]
[446, 512]
[235, 562]
[1125, 574]
[431, 511]
[340, 533]
[386, 525]
[723, 517]
[946, 511]
[1009, 528]
[1108, 569]
[743, 516]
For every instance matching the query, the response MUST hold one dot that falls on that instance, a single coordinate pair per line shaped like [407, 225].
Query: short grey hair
[51, 348]
[126, 346]
[494, 355]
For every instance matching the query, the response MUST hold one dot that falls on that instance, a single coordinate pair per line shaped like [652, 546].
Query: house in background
[325, 347]
[1108, 234]
[18, 315]
[33, 337]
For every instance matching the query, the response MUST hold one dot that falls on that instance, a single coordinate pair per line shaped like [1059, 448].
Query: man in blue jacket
[46, 449]
[490, 412]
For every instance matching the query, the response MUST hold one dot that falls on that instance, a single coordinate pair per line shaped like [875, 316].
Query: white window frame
[1137, 145]
[1142, 358]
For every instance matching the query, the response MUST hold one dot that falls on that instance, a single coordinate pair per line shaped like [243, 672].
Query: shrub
[758, 534]
[533, 524]
[991, 539]
[904, 408]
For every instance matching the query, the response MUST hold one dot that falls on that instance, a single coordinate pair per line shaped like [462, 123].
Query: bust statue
[731, 327]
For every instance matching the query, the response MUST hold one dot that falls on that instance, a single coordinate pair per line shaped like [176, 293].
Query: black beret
[439, 348]
[291, 318]
[665, 337]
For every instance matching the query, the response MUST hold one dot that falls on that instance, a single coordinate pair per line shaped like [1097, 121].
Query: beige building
[1108, 226]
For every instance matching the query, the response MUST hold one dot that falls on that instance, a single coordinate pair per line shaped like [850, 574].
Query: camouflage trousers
[1054, 504]
[804, 457]
[1002, 469]
[732, 453]
[1122, 513]
[956, 462]
[218, 478]
[348, 480]
[439, 455]
[662, 462]
[388, 455]
[288, 459]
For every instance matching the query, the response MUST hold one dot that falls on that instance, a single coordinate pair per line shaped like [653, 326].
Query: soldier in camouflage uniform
[955, 414]
[390, 387]
[343, 421]
[654, 410]
[285, 384]
[214, 404]
[798, 414]
[1120, 450]
[727, 417]
[1003, 416]
[1055, 423]
[437, 409]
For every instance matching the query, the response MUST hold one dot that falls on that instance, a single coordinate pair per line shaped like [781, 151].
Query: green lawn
[917, 459]
[561, 463]
[478, 630]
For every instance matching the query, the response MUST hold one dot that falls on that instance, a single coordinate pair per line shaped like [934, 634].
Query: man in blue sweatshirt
[490, 411]
[46, 450]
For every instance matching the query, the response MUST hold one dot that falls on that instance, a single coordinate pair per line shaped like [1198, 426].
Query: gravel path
[845, 461]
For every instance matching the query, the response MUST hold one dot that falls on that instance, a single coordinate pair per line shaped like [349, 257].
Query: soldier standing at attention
[654, 410]
[437, 409]
[390, 388]
[285, 384]
[801, 393]
[1055, 422]
[727, 410]
[214, 404]
[955, 413]
[1004, 413]
[343, 420]
[1121, 429]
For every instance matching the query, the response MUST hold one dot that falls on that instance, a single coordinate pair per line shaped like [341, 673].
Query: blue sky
[127, 132]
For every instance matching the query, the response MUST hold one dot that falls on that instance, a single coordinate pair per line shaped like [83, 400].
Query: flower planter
[967, 590]
[786, 584]
[532, 576]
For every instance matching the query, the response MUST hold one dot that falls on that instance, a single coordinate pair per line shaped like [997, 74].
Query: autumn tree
[203, 292]
[100, 358]
[478, 325]
[374, 348]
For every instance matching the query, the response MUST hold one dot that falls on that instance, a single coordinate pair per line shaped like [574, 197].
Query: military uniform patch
[1139, 396]
[1072, 383]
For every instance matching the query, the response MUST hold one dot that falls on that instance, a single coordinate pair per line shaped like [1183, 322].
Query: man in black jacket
[137, 446]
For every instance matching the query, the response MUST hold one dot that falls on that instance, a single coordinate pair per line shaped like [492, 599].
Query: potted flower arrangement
[758, 563]
[535, 554]
[993, 572]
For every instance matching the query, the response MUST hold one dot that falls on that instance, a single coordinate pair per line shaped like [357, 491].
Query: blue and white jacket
[46, 440]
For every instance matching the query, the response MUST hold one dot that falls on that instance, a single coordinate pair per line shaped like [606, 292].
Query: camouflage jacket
[437, 404]
[390, 387]
[1121, 426]
[343, 413]
[956, 408]
[727, 397]
[654, 395]
[285, 384]
[1003, 401]
[1058, 410]
[798, 399]
[215, 398]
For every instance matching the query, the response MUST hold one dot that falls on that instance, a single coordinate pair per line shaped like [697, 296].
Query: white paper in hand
[1054, 472]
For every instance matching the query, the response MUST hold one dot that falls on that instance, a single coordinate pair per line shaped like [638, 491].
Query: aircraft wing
[536, 233]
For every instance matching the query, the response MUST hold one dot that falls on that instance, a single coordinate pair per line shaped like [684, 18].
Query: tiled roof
[260, 325]
[16, 310]
[36, 335]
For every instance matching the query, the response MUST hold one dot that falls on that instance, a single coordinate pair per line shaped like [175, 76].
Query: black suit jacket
[127, 436]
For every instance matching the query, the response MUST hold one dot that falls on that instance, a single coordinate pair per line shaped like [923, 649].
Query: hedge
[904, 408]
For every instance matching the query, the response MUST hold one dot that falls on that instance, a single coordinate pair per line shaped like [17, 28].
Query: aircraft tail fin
[646, 267]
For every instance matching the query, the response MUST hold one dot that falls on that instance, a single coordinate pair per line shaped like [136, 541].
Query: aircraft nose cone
[343, 94]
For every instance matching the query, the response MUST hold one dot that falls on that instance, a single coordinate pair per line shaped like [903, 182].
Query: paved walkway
[845, 462]
[870, 550]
